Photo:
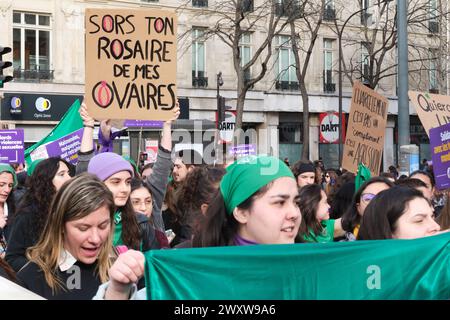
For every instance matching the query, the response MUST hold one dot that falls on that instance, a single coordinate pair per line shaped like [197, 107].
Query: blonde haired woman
[73, 255]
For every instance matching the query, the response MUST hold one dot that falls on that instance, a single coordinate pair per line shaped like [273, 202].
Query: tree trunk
[242, 92]
[305, 101]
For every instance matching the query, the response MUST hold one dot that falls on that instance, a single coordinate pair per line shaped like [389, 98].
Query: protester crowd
[79, 232]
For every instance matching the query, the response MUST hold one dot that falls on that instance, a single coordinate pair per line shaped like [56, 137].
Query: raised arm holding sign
[131, 63]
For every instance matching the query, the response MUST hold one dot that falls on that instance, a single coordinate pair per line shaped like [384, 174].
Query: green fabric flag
[362, 176]
[69, 123]
[377, 269]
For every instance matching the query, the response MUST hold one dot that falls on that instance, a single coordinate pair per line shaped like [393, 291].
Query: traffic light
[221, 110]
[3, 65]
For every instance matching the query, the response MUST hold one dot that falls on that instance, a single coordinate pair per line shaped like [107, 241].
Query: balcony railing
[247, 77]
[329, 14]
[434, 90]
[289, 8]
[199, 80]
[433, 26]
[33, 75]
[247, 6]
[287, 85]
[329, 87]
[200, 3]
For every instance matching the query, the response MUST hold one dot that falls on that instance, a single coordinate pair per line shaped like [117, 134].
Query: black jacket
[23, 234]
[147, 233]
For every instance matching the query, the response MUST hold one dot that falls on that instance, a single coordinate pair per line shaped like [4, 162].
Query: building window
[365, 62]
[290, 132]
[247, 6]
[246, 52]
[329, 14]
[286, 68]
[433, 23]
[328, 84]
[433, 73]
[200, 3]
[31, 46]
[199, 78]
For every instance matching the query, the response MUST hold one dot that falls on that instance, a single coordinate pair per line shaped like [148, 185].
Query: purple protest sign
[243, 150]
[440, 152]
[67, 147]
[11, 146]
[143, 123]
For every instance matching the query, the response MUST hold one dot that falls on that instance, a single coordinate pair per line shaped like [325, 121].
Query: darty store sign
[36, 107]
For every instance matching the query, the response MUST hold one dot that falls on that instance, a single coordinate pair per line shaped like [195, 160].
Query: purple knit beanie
[105, 164]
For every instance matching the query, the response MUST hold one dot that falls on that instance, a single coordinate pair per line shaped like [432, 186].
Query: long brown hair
[76, 199]
[8, 270]
[308, 201]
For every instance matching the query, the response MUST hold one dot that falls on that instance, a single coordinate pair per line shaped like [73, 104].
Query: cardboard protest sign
[365, 132]
[440, 152]
[433, 109]
[131, 58]
[11, 146]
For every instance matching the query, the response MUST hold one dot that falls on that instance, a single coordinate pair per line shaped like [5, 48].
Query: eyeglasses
[366, 197]
[327, 176]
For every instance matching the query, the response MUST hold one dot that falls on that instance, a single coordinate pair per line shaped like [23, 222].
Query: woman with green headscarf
[8, 181]
[256, 204]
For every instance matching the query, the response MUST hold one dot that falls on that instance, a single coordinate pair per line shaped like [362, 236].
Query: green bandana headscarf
[362, 176]
[33, 166]
[249, 174]
[4, 167]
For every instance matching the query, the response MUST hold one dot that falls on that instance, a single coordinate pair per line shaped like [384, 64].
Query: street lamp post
[219, 84]
[403, 100]
[219, 81]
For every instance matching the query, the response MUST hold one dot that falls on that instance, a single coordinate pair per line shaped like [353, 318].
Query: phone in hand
[170, 235]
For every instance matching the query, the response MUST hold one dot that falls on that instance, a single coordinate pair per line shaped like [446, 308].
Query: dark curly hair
[199, 187]
[41, 191]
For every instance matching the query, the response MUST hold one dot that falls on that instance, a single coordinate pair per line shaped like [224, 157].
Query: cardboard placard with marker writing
[433, 109]
[131, 58]
[365, 132]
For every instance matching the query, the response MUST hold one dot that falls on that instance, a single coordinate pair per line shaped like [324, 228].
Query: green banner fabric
[379, 269]
[69, 123]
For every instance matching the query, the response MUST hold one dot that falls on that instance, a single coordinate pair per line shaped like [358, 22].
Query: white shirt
[66, 260]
